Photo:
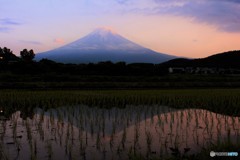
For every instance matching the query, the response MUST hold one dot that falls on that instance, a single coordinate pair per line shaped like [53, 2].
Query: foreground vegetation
[225, 101]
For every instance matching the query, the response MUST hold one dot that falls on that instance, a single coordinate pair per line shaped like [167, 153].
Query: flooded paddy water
[83, 132]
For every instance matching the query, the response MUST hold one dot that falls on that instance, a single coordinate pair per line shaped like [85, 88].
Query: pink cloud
[59, 40]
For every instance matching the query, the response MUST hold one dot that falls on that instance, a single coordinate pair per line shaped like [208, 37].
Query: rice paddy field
[118, 124]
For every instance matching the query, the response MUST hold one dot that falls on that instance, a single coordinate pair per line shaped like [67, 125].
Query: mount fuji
[103, 45]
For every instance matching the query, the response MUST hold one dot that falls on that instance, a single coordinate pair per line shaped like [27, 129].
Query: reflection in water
[95, 133]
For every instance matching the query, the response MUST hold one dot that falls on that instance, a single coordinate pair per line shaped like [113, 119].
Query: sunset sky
[190, 28]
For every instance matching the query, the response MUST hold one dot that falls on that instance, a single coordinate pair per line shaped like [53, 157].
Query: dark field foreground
[83, 82]
[225, 101]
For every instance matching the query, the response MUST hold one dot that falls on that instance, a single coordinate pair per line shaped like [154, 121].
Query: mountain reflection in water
[98, 133]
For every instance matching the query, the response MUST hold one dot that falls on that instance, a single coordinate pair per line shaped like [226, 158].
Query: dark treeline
[25, 65]
[7, 56]
[46, 66]
[25, 73]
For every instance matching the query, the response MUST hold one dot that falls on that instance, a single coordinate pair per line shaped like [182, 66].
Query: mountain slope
[103, 45]
[225, 60]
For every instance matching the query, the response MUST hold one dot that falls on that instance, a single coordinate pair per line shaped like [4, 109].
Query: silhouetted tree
[27, 55]
[1, 54]
[6, 54]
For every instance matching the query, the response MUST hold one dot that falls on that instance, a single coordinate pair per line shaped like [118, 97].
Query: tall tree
[1, 54]
[6, 54]
[27, 55]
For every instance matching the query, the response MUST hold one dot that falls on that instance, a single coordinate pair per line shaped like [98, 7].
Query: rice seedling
[86, 138]
[149, 140]
[111, 142]
[113, 127]
[103, 127]
[14, 130]
[92, 128]
[124, 136]
[136, 135]
[29, 133]
[98, 141]
[49, 150]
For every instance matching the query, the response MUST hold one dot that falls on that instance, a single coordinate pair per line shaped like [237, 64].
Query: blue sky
[192, 28]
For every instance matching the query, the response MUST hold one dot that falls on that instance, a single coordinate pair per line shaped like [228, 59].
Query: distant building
[1, 56]
[203, 70]
[176, 70]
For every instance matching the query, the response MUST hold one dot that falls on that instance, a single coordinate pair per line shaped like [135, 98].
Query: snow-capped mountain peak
[102, 38]
[104, 31]
[103, 44]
